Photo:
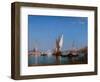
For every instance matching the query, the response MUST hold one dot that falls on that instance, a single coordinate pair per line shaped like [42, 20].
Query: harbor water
[56, 60]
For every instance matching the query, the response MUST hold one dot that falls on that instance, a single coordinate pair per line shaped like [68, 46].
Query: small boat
[43, 54]
[64, 54]
[72, 54]
[69, 54]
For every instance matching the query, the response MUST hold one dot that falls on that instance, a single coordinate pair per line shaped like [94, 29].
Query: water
[56, 60]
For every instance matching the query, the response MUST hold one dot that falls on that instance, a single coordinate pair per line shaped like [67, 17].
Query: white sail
[61, 42]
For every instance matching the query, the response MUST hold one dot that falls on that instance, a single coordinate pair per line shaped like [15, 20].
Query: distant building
[35, 51]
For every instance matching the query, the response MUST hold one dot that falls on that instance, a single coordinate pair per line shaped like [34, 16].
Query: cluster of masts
[59, 44]
[57, 51]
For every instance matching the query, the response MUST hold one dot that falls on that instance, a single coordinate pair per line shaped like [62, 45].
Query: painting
[53, 40]
[57, 40]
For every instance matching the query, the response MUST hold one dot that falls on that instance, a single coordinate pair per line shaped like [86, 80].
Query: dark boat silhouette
[69, 54]
[43, 54]
[72, 54]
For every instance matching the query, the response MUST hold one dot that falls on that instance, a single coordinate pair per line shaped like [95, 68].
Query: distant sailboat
[73, 52]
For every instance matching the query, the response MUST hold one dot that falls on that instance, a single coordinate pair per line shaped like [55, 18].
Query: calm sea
[53, 60]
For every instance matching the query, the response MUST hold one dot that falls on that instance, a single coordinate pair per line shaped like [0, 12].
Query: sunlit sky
[44, 30]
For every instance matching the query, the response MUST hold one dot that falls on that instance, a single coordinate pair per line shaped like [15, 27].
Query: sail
[61, 42]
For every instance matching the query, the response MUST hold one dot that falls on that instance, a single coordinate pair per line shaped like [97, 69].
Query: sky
[44, 30]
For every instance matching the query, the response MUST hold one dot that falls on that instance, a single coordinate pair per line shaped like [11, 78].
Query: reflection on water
[55, 60]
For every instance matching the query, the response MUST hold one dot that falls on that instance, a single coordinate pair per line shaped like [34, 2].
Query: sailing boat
[73, 52]
[59, 43]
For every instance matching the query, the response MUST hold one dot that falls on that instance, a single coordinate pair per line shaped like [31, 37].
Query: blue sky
[43, 31]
